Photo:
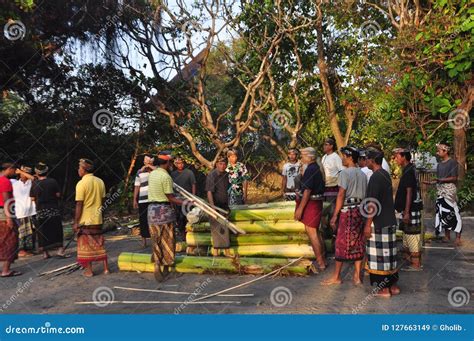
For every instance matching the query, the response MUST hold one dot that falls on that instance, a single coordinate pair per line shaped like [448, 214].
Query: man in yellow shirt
[161, 216]
[90, 193]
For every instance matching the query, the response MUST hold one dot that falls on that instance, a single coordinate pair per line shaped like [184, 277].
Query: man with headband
[332, 165]
[447, 211]
[380, 228]
[350, 242]
[140, 196]
[409, 206]
[90, 194]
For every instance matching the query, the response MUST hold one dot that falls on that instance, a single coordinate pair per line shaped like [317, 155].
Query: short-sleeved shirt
[160, 183]
[185, 179]
[218, 184]
[386, 166]
[313, 179]
[290, 171]
[407, 180]
[24, 206]
[141, 180]
[91, 191]
[368, 173]
[45, 193]
[5, 187]
[354, 181]
[332, 165]
[380, 189]
[447, 169]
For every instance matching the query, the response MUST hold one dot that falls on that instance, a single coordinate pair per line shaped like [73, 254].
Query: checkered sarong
[382, 250]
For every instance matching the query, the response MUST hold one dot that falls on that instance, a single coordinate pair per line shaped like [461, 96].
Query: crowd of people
[355, 184]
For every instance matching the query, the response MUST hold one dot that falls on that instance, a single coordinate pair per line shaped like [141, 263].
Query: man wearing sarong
[140, 196]
[290, 171]
[447, 211]
[45, 193]
[217, 190]
[309, 205]
[332, 165]
[408, 206]
[161, 216]
[8, 228]
[380, 228]
[350, 241]
[90, 194]
[25, 211]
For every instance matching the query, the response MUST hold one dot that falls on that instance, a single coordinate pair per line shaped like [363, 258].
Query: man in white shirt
[332, 165]
[363, 164]
[290, 170]
[25, 211]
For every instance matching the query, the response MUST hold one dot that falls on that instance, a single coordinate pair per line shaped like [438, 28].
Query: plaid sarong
[382, 251]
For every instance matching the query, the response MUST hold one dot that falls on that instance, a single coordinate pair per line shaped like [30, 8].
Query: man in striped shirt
[140, 196]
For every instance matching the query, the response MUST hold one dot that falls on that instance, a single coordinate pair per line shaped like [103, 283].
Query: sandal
[13, 273]
[63, 256]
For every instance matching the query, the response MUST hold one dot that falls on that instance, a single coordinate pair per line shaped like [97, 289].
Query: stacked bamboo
[270, 232]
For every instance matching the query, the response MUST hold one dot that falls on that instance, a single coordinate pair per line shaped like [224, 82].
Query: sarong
[161, 219]
[143, 218]
[382, 256]
[8, 242]
[220, 235]
[312, 212]
[350, 241]
[25, 233]
[49, 229]
[447, 211]
[236, 199]
[90, 245]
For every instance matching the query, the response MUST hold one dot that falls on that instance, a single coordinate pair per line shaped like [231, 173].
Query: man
[309, 206]
[90, 194]
[25, 211]
[380, 228]
[385, 164]
[8, 231]
[140, 196]
[447, 212]
[332, 165]
[350, 243]
[161, 216]
[183, 177]
[217, 191]
[290, 170]
[408, 205]
[363, 164]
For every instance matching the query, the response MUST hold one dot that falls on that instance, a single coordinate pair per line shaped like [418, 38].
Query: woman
[161, 216]
[45, 193]
[238, 179]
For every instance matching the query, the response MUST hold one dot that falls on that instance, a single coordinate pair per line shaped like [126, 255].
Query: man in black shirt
[217, 185]
[408, 205]
[380, 228]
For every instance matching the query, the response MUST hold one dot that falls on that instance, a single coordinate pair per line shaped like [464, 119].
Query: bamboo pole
[179, 292]
[156, 302]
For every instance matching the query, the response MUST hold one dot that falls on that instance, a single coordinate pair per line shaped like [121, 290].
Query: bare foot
[88, 273]
[331, 281]
[385, 292]
[458, 242]
[395, 290]
[106, 272]
[357, 282]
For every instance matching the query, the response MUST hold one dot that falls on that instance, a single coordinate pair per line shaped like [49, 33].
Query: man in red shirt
[8, 229]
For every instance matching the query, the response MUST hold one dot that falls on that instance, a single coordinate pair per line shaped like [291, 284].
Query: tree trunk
[461, 125]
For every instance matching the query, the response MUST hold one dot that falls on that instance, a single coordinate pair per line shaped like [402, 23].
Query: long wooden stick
[247, 283]
[179, 292]
[158, 302]
[58, 269]
[209, 210]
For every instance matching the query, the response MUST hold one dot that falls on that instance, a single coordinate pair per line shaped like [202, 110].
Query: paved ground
[422, 292]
